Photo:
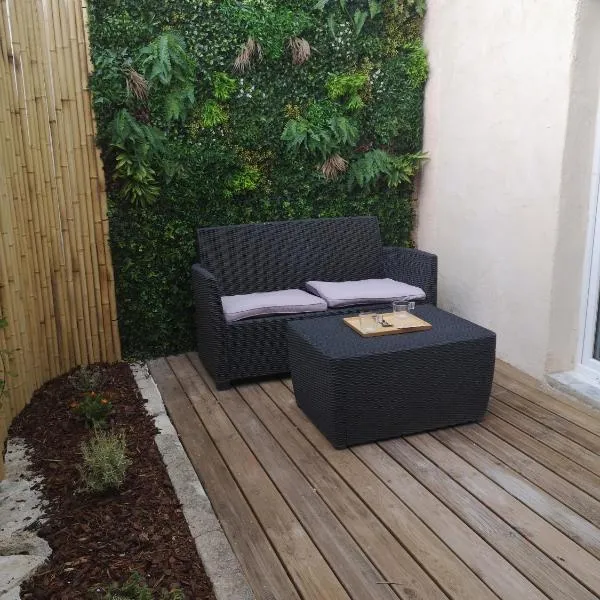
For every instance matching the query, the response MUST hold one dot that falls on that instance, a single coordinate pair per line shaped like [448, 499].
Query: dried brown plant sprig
[334, 166]
[137, 85]
[300, 49]
[250, 50]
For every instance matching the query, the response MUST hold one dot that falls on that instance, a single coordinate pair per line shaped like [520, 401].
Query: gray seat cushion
[366, 291]
[280, 302]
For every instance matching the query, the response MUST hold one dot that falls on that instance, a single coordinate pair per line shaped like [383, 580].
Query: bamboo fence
[56, 277]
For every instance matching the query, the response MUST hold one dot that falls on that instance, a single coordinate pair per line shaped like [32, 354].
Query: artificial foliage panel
[214, 113]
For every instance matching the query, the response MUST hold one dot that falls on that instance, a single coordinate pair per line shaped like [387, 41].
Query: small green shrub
[347, 87]
[213, 114]
[135, 588]
[247, 179]
[223, 86]
[105, 462]
[87, 379]
[94, 408]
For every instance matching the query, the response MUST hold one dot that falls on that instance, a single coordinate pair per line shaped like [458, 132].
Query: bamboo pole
[88, 139]
[73, 165]
[92, 282]
[56, 277]
[26, 268]
[69, 343]
[10, 157]
[108, 272]
[31, 218]
[38, 119]
[62, 158]
[45, 106]
[24, 338]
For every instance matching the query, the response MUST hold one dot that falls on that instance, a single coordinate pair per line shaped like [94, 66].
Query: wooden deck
[509, 508]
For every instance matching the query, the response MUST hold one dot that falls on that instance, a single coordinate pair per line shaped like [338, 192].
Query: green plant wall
[213, 113]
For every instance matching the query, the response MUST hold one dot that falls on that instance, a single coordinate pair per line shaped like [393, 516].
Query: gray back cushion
[367, 291]
[285, 254]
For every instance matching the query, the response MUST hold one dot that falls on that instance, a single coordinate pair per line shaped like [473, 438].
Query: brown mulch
[99, 540]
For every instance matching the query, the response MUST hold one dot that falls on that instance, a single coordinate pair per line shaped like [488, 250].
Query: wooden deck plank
[563, 518]
[388, 555]
[516, 548]
[513, 375]
[506, 509]
[498, 573]
[305, 564]
[259, 561]
[562, 490]
[577, 413]
[551, 420]
[561, 465]
[564, 551]
[457, 580]
[502, 366]
[496, 388]
[562, 444]
[347, 560]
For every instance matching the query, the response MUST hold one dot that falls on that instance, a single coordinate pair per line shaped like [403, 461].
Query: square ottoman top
[334, 339]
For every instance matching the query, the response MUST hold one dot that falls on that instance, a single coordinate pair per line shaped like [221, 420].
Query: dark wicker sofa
[241, 259]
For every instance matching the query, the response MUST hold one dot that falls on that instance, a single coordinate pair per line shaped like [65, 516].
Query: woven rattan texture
[271, 256]
[359, 390]
[414, 267]
[284, 255]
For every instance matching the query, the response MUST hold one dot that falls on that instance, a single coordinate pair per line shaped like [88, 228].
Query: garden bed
[99, 540]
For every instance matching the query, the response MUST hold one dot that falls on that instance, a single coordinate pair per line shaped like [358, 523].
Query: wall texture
[500, 111]
[56, 281]
[570, 254]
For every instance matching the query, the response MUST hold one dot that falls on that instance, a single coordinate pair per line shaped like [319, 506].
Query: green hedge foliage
[213, 113]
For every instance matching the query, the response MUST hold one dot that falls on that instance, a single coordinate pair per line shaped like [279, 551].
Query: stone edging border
[22, 505]
[218, 558]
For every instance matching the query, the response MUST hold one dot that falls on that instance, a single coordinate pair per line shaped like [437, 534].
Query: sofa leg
[223, 385]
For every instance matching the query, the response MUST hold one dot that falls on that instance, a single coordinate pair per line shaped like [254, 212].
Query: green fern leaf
[223, 86]
[360, 16]
[374, 8]
[378, 165]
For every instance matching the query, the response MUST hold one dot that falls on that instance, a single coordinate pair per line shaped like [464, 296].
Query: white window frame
[588, 366]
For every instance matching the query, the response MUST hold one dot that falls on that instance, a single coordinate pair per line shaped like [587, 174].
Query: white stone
[218, 558]
[21, 507]
[15, 569]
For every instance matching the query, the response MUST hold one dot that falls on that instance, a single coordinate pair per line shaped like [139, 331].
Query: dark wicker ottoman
[358, 390]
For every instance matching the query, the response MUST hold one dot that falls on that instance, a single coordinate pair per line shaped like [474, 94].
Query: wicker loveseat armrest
[414, 267]
[210, 321]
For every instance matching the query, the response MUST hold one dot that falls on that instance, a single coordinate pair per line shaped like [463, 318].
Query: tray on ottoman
[358, 390]
[409, 324]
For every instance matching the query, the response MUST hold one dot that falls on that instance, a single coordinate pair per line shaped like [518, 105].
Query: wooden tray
[410, 323]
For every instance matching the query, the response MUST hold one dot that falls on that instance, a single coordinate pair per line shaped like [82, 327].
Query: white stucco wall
[576, 191]
[496, 121]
